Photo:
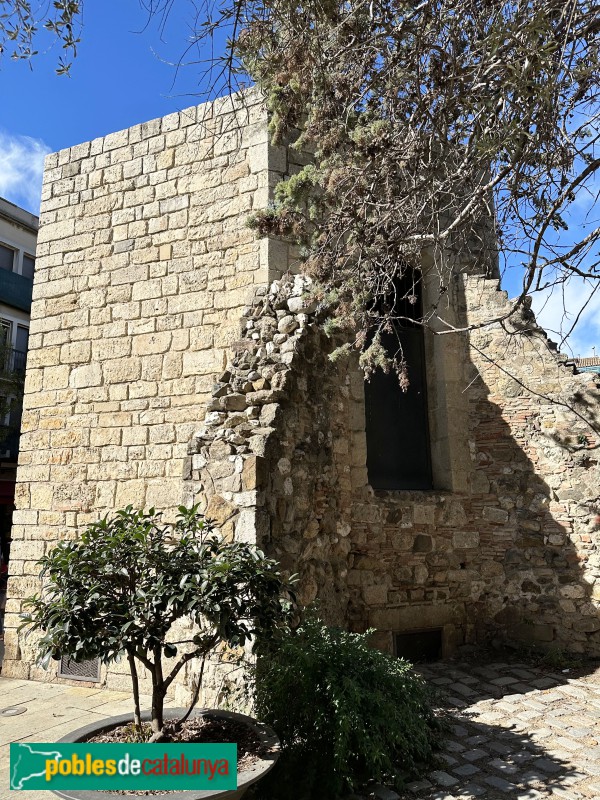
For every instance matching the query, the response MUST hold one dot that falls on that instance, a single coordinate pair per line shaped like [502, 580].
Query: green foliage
[466, 130]
[20, 22]
[119, 589]
[345, 713]
[463, 130]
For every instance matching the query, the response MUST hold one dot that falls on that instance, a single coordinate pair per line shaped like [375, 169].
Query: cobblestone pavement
[517, 733]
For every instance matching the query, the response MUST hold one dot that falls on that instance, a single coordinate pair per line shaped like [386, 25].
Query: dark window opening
[28, 266]
[420, 647]
[397, 429]
[7, 258]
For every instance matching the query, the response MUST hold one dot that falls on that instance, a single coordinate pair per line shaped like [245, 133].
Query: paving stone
[571, 778]
[491, 717]
[505, 681]
[581, 733]
[529, 794]
[418, 786]
[521, 758]
[547, 765]
[563, 757]
[524, 674]
[503, 766]
[466, 691]
[472, 790]
[528, 715]
[543, 683]
[442, 778]
[556, 722]
[459, 730]
[466, 770]
[474, 755]
[569, 744]
[492, 690]
[450, 760]
[477, 739]
[591, 768]
[533, 776]
[515, 723]
[457, 702]
[531, 703]
[500, 784]
[489, 673]
[453, 747]
[574, 691]
[588, 721]
[499, 747]
[487, 730]
[506, 708]
[540, 733]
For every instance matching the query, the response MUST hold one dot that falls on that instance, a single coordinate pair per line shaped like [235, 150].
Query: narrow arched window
[398, 450]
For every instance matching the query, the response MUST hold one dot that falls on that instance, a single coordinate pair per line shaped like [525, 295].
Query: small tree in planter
[119, 589]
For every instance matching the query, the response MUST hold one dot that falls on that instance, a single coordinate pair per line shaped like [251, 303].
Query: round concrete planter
[267, 737]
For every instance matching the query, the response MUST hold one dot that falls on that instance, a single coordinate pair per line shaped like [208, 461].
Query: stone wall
[265, 458]
[144, 265]
[504, 549]
[165, 367]
[510, 551]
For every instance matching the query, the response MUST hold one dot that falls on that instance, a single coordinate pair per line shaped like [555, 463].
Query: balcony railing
[12, 362]
[15, 290]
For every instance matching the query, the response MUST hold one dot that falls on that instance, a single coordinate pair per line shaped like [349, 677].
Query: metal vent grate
[420, 646]
[79, 671]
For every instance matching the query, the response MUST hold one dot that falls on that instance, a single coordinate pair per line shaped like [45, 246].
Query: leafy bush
[344, 711]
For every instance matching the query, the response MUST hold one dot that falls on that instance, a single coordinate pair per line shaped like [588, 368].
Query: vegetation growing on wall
[464, 129]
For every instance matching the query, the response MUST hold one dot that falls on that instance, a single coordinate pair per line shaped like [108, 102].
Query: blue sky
[125, 74]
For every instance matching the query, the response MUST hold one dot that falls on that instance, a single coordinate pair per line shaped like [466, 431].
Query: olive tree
[464, 129]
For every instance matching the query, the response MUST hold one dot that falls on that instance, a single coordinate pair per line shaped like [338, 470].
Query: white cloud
[21, 169]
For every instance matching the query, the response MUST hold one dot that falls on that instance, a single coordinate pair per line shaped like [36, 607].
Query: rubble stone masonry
[504, 549]
[166, 366]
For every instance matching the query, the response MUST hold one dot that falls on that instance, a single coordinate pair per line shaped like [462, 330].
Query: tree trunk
[158, 699]
[196, 693]
[137, 715]
[158, 695]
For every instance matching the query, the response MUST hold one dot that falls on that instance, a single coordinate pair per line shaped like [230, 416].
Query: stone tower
[173, 357]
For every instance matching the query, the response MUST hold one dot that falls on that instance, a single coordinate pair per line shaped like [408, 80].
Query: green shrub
[345, 713]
